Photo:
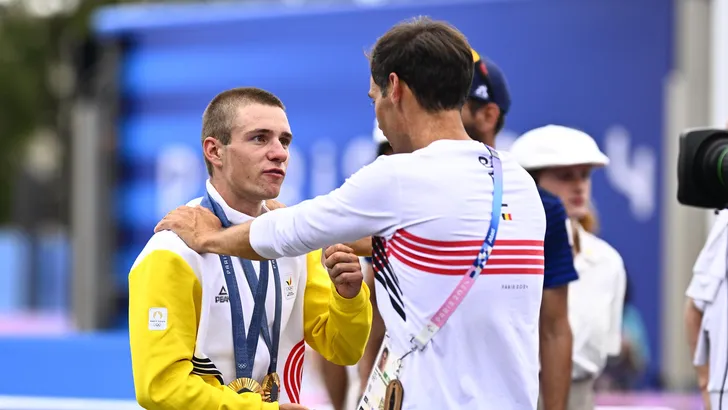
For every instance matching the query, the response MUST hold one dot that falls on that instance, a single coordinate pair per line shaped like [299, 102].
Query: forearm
[362, 247]
[233, 241]
[376, 336]
[170, 389]
[556, 350]
[366, 364]
[693, 320]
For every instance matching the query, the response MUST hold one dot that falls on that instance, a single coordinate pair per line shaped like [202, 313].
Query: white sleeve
[614, 342]
[367, 204]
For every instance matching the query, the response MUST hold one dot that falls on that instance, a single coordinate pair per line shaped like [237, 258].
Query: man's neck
[489, 140]
[248, 207]
[425, 128]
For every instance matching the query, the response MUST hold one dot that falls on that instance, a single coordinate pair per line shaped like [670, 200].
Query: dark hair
[433, 58]
[384, 149]
[217, 120]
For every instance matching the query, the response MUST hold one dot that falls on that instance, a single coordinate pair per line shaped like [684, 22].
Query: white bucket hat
[556, 146]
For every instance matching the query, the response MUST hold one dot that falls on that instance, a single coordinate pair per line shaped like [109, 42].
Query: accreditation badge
[384, 391]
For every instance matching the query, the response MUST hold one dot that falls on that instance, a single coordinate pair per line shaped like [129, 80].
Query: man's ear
[488, 114]
[395, 87]
[212, 149]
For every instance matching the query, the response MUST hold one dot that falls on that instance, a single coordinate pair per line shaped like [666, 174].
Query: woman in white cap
[561, 160]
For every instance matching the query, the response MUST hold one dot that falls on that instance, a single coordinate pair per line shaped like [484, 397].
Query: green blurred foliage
[29, 48]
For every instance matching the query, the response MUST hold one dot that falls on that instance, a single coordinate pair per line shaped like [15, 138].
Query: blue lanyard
[245, 347]
[495, 216]
[438, 320]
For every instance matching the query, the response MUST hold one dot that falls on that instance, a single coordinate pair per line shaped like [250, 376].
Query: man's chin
[272, 193]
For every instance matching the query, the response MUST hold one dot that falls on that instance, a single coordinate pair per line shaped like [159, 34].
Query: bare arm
[375, 336]
[693, 319]
[234, 241]
[362, 247]
[556, 344]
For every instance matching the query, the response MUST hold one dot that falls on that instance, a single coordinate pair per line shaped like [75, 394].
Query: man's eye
[259, 138]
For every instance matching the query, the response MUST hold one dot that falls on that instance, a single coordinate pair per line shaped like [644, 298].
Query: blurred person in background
[418, 108]
[561, 161]
[706, 314]
[210, 332]
[484, 116]
[335, 377]
[625, 371]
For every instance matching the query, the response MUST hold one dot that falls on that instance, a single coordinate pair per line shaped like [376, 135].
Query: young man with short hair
[211, 332]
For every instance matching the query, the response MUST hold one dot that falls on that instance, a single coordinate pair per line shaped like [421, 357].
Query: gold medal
[271, 388]
[244, 385]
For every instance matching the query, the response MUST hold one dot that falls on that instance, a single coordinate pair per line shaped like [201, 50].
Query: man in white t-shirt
[428, 207]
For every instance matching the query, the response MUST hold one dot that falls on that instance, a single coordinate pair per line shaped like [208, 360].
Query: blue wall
[85, 365]
[597, 65]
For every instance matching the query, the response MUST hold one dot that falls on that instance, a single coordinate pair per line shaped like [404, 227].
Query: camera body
[702, 170]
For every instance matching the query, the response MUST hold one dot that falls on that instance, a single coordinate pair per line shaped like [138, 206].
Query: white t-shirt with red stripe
[429, 212]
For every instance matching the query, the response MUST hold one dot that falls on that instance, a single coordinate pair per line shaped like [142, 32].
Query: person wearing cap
[561, 160]
[484, 116]
[484, 113]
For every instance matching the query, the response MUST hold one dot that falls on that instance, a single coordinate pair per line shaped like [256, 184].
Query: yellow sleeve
[336, 327]
[164, 312]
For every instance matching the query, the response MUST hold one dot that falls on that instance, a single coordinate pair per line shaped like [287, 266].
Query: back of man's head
[431, 57]
[219, 116]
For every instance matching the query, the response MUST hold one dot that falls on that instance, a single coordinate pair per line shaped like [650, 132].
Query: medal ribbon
[245, 347]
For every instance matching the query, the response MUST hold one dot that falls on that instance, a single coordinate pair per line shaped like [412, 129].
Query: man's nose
[278, 152]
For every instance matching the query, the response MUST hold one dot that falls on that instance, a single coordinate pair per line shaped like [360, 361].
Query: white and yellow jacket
[181, 333]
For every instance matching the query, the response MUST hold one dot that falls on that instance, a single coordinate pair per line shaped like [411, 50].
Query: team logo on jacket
[288, 288]
[222, 296]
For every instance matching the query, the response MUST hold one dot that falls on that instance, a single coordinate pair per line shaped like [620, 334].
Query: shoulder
[516, 176]
[381, 171]
[169, 242]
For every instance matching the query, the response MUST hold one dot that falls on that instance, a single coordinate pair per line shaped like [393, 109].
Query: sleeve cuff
[260, 231]
[353, 305]
[560, 280]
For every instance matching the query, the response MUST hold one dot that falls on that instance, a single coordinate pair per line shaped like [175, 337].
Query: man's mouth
[275, 171]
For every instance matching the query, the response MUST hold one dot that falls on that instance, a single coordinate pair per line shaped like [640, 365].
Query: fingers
[339, 258]
[272, 204]
[200, 210]
[174, 218]
[348, 279]
[340, 268]
[171, 220]
[337, 248]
